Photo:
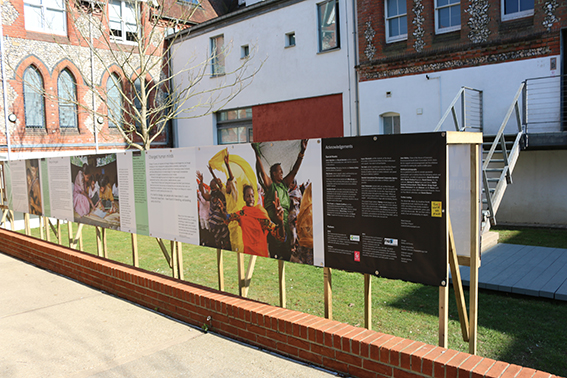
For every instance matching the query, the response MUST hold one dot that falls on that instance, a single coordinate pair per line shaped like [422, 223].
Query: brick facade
[484, 38]
[51, 54]
[333, 345]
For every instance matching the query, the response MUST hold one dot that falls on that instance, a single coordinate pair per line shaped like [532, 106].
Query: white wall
[286, 74]
[499, 83]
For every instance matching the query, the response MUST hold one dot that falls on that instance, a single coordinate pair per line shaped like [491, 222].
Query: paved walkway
[521, 269]
[51, 326]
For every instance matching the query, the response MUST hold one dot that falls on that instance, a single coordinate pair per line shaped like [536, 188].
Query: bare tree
[131, 43]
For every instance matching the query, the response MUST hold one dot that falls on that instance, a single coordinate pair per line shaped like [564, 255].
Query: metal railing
[466, 111]
[545, 104]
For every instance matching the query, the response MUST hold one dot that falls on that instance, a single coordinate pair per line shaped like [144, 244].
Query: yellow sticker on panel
[436, 209]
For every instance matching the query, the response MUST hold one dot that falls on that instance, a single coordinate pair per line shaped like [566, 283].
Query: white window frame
[45, 7]
[390, 115]
[515, 15]
[397, 38]
[217, 56]
[439, 30]
[123, 23]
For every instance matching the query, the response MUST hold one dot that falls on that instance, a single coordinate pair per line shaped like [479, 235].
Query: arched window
[67, 93]
[390, 123]
[34, 104]
[114, 101]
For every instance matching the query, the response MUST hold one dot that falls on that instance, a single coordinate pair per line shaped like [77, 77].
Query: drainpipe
[356, 78]
[4, 87]
[95, 132]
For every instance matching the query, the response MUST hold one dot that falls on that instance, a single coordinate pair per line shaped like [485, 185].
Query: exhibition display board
[374, 204]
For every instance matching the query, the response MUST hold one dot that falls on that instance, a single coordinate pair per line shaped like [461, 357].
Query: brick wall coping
[326, 343]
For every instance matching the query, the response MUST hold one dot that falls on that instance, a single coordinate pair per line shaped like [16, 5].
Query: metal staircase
[500, 151]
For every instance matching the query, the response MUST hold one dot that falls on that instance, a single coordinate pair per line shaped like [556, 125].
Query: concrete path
[51, 326]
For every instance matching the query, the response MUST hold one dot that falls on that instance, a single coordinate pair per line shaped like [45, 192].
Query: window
[244, 52]
[122, 20]
[234, 126]
[67, 93]
[114, 101]
[45, 16]
[390, 123]
[328, 16]
[290, 39]
[34, 104]
[396, 20]
[512, 9]
[447, 15]
[217, 55]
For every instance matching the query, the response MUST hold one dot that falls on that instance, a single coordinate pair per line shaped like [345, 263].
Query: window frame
[391, 115]
[387, 18]
[515, 15]
[438, 29]
[27, 105]
[117, 82]
[71, 102]
[234, 124]
[123, 38]
[43, 10]
[320, 30]
[290, 39]
[218, 58]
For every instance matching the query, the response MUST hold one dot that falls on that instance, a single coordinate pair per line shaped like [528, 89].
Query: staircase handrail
[451, 107]
[497, 138]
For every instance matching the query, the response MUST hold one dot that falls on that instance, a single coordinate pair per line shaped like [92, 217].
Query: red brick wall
[511, 40]
[330, 344]
[315, 117]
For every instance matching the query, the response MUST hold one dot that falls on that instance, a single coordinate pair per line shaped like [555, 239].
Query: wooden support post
[99, 251]
[328, 292]
[135, 257]
[180, 260]
[443, 315]
[104, 249]
[367, 301]
[475, 246]
[241, 273]
[11, 220]
[174, 262]
[281, 275]
[47, 223]
[59, 236]
[70, 234]
[41, 228]
[165, 252]
[220, 269]
[248, 277]
[80, 236]
[457, 284]
[27, 224]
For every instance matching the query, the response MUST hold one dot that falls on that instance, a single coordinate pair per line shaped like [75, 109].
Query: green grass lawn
[522, 330]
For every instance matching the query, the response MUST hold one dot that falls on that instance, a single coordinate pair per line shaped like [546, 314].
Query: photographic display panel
[375, 204]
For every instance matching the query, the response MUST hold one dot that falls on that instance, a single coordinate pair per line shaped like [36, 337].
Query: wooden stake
[135, 257]
[475, 246]
[249, 272]
[41, 228]
[27, 224]
[328, 285]
[443, 315]
[458, 285]
[59, 236]
[70, 234]
[281, 275]
[104, 249]
[241, 273]
[47, 230]
[165, 252]
[220, 269]
[368, 301]
[11, 220]
[99, 251]
[180, 260]
[80, 236]
[174, 262]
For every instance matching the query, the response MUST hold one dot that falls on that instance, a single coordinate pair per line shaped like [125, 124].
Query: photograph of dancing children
[34, 187]
[93, 200]
[265, 210]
